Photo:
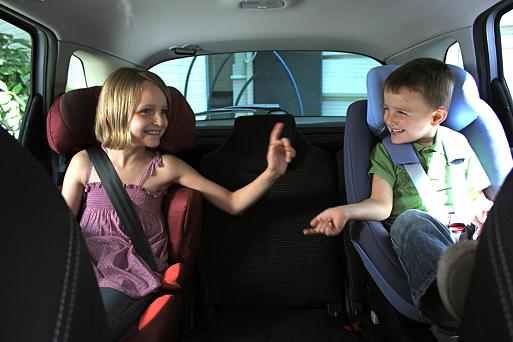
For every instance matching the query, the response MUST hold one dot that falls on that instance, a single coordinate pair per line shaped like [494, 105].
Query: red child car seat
[70, 126]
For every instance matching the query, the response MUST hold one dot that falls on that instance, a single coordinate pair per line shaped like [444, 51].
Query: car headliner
[142, 31]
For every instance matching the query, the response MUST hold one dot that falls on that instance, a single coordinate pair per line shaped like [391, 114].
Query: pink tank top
[115, 261]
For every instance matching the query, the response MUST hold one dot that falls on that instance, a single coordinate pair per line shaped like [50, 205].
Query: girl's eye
[164, 111]
[145, 111]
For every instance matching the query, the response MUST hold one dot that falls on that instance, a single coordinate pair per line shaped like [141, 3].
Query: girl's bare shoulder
[171, 165]
[79, 165]
[80, 159]
[168, 160]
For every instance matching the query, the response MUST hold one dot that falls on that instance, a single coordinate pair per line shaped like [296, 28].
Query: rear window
[313, 84]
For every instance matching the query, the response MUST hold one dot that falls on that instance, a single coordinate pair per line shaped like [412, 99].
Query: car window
[453, 55]
[302, 83]
[15, 75]
[76, 75]
[506, 36]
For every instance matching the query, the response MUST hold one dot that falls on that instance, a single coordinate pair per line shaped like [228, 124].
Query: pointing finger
[276, 132]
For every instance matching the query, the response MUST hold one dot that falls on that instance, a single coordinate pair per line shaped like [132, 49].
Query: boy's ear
[439, 116]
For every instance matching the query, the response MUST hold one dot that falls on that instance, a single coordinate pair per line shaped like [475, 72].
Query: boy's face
[149, 120]
[409, 118]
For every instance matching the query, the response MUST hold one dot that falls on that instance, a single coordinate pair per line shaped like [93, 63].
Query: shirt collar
[435, 147]
[453, 150]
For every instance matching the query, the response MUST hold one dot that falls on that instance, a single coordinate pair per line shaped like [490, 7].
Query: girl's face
[149, 120]
[409, 118]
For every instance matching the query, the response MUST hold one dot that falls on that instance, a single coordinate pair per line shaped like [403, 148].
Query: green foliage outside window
[14, 80]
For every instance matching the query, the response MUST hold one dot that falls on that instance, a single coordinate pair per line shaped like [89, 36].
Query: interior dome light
[262, 4]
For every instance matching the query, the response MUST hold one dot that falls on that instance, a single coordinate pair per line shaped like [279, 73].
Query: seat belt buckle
[456, 229]
[461, 231]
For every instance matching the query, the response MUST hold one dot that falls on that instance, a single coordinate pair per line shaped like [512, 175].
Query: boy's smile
[409, 118]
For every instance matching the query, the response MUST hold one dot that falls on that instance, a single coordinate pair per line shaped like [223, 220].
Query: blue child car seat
[468, 114]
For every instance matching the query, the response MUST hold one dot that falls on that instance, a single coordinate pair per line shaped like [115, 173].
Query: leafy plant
[14, 80]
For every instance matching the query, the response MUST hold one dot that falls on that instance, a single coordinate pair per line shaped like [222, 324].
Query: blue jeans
[419, 240]
[122, 311]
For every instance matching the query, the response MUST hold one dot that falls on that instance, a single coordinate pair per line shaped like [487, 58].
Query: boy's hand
[330, 222]
[280, 152]
[480, 206]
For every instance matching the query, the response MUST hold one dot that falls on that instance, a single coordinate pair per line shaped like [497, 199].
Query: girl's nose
[157, 119]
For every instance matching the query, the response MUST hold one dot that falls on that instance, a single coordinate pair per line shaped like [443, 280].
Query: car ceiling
[140, 31]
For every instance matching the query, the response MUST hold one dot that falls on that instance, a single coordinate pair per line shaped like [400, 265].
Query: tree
[15, 54]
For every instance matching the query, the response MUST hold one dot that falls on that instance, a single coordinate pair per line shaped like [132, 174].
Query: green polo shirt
[434, 159]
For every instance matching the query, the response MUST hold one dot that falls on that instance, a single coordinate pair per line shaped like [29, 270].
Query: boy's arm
[280, 154]
[480, 208]
[375, 208]
[477, 180]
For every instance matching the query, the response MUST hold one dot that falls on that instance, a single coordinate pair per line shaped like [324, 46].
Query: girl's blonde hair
[120, 95]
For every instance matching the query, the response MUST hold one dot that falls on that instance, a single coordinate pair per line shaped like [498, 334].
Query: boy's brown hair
[120, 95]
[427, 76]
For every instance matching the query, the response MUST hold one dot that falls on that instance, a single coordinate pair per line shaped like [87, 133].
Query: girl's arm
[74, 180]
[376, 208]
[279, 155]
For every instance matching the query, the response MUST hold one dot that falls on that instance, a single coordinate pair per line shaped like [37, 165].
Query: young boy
[416, 101]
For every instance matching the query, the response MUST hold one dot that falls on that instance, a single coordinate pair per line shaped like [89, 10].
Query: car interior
[233, 69]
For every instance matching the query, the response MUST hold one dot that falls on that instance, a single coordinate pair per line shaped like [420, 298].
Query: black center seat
[266, 281]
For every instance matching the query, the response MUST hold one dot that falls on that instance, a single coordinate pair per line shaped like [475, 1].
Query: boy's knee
[410, 215]
[408, 225]
[404, 221]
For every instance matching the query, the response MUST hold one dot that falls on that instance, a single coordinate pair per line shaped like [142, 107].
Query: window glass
[302, 83]
[15, 78]
[506, 31]
[453, 55]
[76, 74]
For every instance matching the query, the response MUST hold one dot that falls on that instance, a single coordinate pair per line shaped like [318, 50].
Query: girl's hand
[280, 152]
[330, 222]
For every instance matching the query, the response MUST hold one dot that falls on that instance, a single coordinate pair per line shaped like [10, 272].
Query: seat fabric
[468, 114]
[260, 263]
[49, 292]
[70, 125]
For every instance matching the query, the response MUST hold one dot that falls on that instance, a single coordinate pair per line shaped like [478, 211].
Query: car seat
[489, 303]
[49, 292]
[468, 114]
[70, 125]
[265, 280]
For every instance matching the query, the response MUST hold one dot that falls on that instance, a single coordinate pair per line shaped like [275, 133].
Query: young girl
[130, 120]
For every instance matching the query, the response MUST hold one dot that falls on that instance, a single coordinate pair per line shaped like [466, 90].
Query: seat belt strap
[460, 198]
[122, 204]
[404, 155]
[430, 198]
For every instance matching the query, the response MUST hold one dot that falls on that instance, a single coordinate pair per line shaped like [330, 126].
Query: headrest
[465, 102]
[70, 121]
[251, 135]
